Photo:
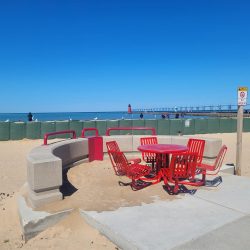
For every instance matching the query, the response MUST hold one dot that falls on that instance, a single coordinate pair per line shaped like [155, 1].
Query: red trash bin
[95, 148]
[95, 145]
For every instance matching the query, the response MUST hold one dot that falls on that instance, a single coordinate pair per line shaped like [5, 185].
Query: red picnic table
[162, 152]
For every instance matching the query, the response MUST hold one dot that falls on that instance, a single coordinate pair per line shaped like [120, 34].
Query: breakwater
[36, 130]
[195, 114]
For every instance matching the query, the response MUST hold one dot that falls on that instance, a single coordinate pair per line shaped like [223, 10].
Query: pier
[209, 110]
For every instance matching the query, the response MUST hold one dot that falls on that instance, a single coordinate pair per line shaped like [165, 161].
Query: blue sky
[103, 55]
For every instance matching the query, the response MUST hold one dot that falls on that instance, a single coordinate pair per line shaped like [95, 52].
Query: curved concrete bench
[45, 164]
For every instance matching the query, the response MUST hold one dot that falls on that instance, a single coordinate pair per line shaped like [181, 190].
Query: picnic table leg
[165, 160]
[158, 162]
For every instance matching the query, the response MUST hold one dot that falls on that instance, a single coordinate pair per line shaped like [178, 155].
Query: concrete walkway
[212, 218]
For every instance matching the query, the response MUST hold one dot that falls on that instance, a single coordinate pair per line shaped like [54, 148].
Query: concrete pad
[161, 225]
[234, 235]
[34, 222]
[233, 192]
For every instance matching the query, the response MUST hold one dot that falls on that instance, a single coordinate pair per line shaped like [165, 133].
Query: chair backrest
[219, 159]
[196, 146]
[182, 165]
[148, 140]
[113, 146]
[119, 162]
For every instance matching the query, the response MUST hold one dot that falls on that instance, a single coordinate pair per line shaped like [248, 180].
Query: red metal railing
[131, 128]
[89, 129]
[45, 138]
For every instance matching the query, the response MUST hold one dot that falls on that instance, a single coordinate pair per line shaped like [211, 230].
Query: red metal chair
[149, 157]
[132, 171]
[113, 146]
[206, 169]
[215, 168]
[182, 168]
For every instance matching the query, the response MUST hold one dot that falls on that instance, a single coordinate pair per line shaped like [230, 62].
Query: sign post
[242, 101]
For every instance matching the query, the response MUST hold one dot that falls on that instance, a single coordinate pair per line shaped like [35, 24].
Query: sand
[94, 187]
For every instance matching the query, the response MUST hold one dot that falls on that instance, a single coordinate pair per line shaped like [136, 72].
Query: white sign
[242, 96]
[187, 123]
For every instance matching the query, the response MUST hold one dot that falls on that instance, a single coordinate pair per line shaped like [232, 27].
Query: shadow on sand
[67, 189]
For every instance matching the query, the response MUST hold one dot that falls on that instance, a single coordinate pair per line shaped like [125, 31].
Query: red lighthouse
[129, 109]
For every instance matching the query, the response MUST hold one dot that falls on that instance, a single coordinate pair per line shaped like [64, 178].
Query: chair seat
[137, 171]
[134, 160]
[215, 168]
[207, 167]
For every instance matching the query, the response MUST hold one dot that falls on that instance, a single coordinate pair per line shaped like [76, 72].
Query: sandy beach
[96, 189]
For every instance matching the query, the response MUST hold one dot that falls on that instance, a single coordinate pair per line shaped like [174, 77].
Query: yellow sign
[243, 89]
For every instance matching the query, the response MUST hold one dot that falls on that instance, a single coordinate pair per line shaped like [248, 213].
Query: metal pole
[239, 140]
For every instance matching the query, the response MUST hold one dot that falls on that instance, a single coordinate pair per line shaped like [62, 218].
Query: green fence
[201, 126]
[33, 130]
[36, 130]
[213, 125]
[138, 123]
[113, 124]
[102, 127]
[246, 125]
[60, 126]
[4, 131]
[163, 127]
[188, 127]
[17, 130]
[125, 123]
[89, 124]
[176, 126]
[77, 126]
[228, 125]
[151, 124]
[48, 127]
